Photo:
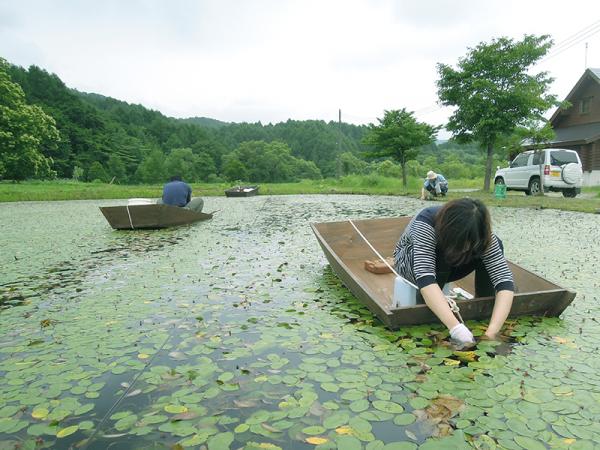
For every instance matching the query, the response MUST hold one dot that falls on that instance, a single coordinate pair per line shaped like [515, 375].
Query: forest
[90, 137]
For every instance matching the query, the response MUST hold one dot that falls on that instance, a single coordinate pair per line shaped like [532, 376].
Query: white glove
[461, 334]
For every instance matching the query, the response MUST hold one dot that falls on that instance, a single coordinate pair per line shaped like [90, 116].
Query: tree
[399, 136]
[387, 168]
[183, 162]
[116, 169]
[270, 162]
[25, 131]
[205, 166]
[189, 165]
[348, 163]
[78, 173]
[306, 170]
[152, 168]
[234, 169]
[494, 92]
[97, 172]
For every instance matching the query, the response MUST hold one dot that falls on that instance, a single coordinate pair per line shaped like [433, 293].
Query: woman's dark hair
[175, 178]
[464, 231]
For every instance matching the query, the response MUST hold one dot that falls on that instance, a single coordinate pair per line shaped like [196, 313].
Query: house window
[584, 105]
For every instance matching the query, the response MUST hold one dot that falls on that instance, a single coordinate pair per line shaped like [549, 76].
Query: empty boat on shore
[242, 191]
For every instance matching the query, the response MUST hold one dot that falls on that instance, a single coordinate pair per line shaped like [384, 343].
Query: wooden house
[578, 127]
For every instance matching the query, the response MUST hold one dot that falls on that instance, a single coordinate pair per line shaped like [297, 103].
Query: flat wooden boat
[242, 191]
[133, 217]
[346, 252]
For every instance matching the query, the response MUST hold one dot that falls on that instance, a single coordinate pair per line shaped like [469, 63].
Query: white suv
[561, 171]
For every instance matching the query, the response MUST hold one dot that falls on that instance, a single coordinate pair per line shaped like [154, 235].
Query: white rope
[454, 308]
[130, 221]
[451, 303]
[379, 255]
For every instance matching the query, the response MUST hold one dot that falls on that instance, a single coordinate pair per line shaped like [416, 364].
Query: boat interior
[383, 234]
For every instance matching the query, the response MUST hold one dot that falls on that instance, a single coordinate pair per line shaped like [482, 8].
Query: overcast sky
[270, 60]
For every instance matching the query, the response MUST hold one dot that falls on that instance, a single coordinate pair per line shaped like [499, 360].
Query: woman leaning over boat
[445, 243]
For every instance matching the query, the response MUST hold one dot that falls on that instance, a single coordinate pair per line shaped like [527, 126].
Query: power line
[428, 110]
[564, 45]
[575, 35]
[573, 40]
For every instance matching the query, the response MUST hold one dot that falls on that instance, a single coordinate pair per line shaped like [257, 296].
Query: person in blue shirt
[178, 193]
[435, 185]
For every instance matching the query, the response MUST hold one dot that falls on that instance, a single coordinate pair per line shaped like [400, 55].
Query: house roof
[578, 134]
[594, 74]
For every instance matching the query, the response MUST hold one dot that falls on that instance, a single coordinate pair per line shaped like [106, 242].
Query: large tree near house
[494, 90]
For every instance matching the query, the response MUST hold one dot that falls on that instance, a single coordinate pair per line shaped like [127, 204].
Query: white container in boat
[140, 201]
[464, 293]
[405, 294]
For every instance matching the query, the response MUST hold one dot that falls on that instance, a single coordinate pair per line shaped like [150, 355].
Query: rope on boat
[108, 413]
[451, 303]
[379, 255]
[129, 214]
[454, 308]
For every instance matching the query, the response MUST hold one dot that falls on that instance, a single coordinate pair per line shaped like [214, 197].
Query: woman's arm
[436, 301]
[502, 305]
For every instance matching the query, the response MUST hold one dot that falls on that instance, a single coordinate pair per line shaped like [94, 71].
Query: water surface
[234, 333]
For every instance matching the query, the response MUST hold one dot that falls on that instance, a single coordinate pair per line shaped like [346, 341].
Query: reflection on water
[68, 275]
[236, 333]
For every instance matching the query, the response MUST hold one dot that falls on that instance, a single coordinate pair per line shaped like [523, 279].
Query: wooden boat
[242, 191]
[133, 217]
[346, 252]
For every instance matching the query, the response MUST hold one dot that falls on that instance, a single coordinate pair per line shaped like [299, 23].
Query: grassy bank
[73, 190]
[552, 201]
[352, 184]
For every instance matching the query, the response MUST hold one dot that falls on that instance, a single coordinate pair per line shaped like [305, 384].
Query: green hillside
[101, 138]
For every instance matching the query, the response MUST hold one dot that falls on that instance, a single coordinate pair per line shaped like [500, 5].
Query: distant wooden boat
[242, 191]
[346, 252]
[133, 217]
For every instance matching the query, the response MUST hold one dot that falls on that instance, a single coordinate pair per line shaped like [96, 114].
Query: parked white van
[561, 171]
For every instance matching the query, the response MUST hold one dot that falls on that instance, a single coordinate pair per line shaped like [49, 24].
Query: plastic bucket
[500, 191]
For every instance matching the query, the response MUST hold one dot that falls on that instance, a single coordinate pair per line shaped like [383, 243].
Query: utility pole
[340, 129]
[586, 48]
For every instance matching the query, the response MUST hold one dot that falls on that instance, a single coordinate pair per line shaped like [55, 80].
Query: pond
[235, 333]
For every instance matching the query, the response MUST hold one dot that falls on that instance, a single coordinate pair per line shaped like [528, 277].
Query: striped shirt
[416, 254]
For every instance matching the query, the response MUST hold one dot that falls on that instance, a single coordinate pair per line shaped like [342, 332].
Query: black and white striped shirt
[415, 254]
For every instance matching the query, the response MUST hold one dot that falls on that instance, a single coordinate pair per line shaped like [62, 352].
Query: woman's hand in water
[462, 335]
[490, 336]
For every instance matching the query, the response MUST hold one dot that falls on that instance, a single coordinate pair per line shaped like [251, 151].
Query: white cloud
[271, 60]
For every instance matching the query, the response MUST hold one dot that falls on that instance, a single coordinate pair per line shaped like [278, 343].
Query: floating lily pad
[64, 432]
[336, 420]
[175, 409]
[314, 430]
[389, 407]
[529, 443]
[404, 419]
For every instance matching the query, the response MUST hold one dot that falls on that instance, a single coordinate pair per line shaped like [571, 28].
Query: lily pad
[64, 432]
[404, 419]
[175, 409]
[389, 407]
[314, 430]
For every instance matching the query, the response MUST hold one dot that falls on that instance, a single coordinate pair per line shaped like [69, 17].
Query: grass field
[351, 184]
